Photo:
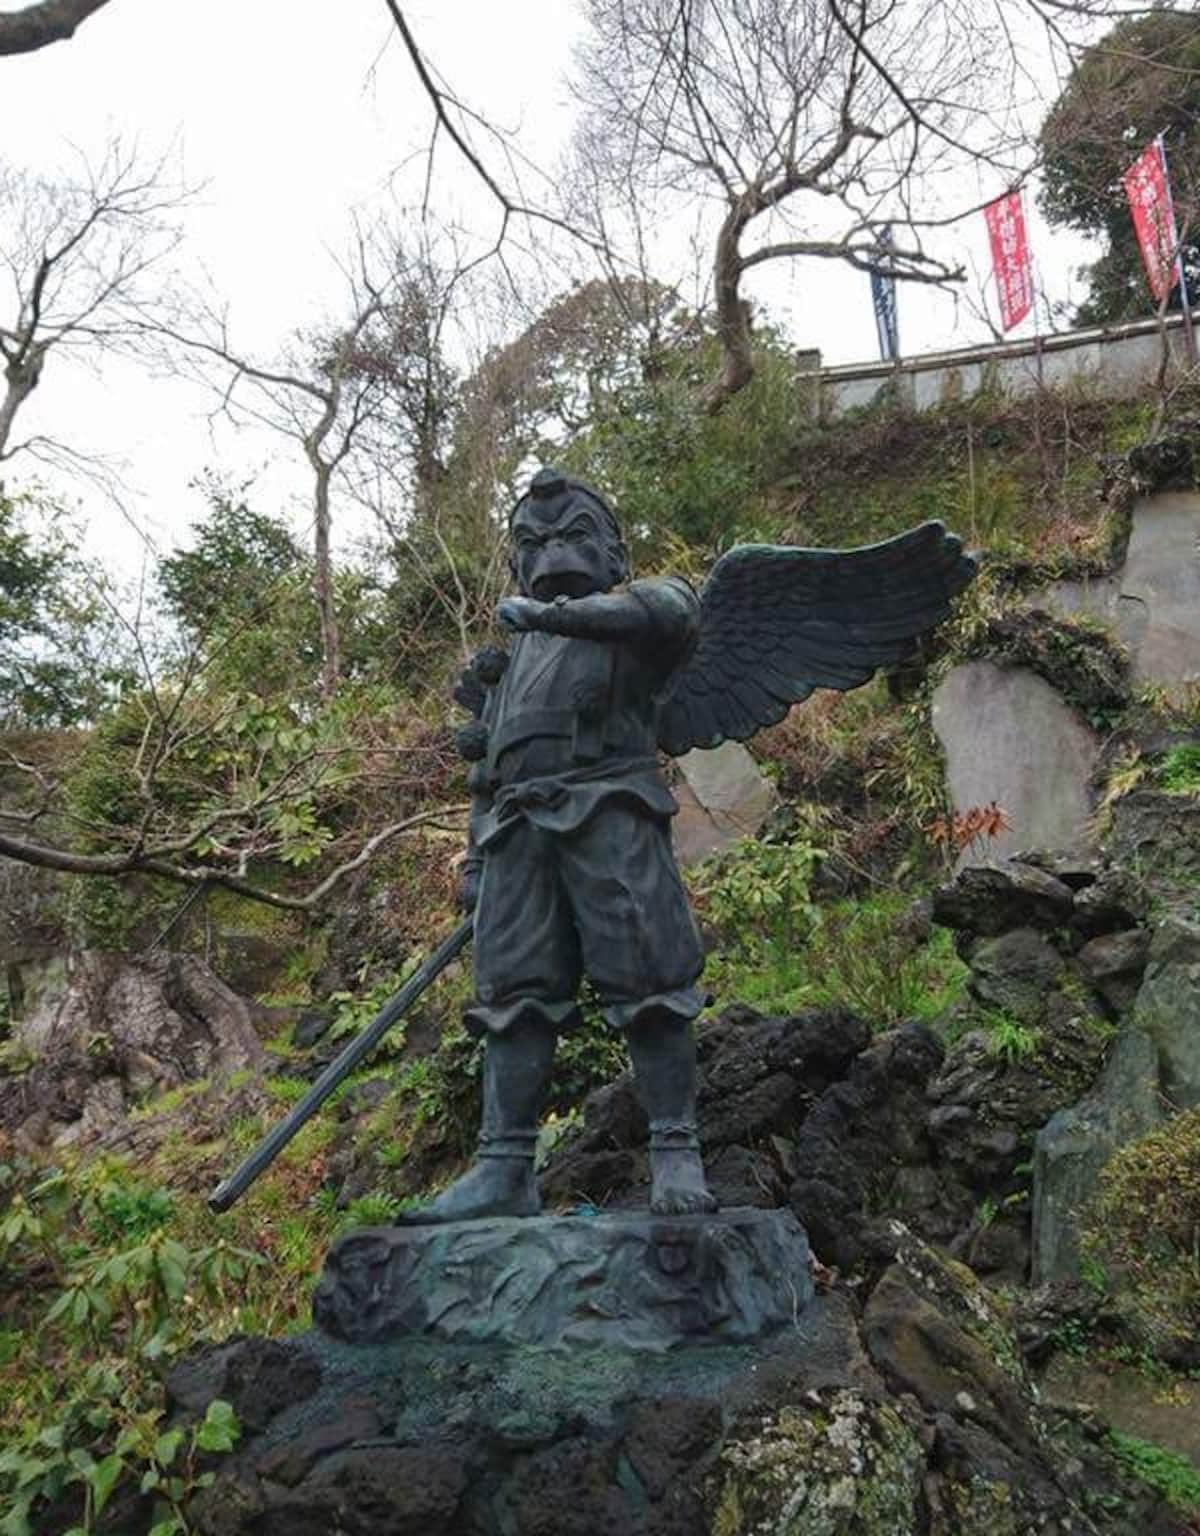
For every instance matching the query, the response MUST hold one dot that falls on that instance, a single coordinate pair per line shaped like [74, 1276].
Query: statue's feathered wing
[777, 622]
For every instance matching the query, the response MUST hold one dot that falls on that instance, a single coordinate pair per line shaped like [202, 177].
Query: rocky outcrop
[1167, 1008]
[850, 1130]
[1153, 1071]
[865, 1149]
[915, 1416]
[124, 1029]
[986, 901]
[1158, 836]
[758, 1079]
[1113, 964]
[1074, 1145]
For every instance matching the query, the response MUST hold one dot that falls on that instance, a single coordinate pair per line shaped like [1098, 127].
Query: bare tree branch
[37, 26]
[815, 121]
[155, 863]
[86, 254]
[445, 104]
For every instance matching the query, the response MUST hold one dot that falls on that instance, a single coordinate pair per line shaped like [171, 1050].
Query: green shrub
[377, 1208]
[859, 954]
[106, 1295]
[163, 1465]
[1146, 1224]
[130, 1211]
[1008, 1036]
[676, 472]
[588, 1056]
[760, 893]
[862, 955]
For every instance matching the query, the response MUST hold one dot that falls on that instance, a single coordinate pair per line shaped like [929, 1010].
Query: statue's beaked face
[563, 552]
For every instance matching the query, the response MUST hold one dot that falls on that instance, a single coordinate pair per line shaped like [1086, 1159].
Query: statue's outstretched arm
[651, 611]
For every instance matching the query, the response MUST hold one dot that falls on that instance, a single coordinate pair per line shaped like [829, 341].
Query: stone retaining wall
[1113, 362]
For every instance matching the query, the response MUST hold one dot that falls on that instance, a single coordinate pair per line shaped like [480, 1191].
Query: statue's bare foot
[495, 1186]
[677, 1186]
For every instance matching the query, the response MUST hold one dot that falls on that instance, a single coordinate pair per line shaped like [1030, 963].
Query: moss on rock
[978, 1506]
[958, 1293]
[837, 1464]
[1077, 657]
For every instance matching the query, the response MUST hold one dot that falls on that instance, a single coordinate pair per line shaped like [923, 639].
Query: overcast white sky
[294, 113]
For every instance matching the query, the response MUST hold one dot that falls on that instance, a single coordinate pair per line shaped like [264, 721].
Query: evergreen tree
[1141, 79]
[230, 574]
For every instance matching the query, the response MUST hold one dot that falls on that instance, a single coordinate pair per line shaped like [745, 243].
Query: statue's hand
[468, 890]
[520, 612]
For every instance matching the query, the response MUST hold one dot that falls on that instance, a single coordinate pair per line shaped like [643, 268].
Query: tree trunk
[428, 471]
[21, 380]
[331, 661]
[733, 316]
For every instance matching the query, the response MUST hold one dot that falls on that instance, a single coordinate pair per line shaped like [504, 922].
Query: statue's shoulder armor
[672, 603]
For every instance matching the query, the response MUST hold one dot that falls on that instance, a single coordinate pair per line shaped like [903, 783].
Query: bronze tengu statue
[569, 868]
[569, 871]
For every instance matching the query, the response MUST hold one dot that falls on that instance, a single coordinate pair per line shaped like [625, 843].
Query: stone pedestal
[631, 1280]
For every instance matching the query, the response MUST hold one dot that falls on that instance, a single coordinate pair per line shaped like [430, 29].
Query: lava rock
[860, 1133]
[986, 1108]
[570, 1490]
[1158, 834]
[1113, 963]
[1014, 971]
[984, 901]
[312, 1025]
[757, 1078]
[291, 1461]
[999, 1249]
[1168, 1007]
[258, 1377]
[932, 1428]
[949, 1368]
[738, 1176]
[405, 1490]
[1075, 869]
[1115, 903]
[668, 1435]
[1074, 1145]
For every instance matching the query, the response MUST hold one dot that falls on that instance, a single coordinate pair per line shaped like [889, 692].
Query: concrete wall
[1113, 362]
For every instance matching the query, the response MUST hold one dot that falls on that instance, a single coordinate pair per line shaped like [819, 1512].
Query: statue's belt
[561, 802]
[591, 735]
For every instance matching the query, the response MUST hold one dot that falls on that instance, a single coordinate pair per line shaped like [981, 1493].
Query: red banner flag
[1149, 195]
[1010, 258]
